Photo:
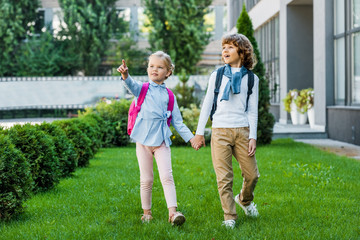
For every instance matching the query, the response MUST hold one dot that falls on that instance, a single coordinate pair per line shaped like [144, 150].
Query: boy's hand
[252, 147]
[123, 69]
[197, 142]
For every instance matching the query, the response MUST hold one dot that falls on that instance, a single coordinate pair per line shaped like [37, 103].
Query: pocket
[244, 132]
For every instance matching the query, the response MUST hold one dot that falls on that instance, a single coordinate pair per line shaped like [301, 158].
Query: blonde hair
[167, 60]
[244, 47]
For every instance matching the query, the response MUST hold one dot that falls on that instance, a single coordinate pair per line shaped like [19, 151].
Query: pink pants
[162, 156]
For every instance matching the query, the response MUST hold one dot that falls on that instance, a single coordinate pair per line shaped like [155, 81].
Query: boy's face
[230, 55]
[157, 70]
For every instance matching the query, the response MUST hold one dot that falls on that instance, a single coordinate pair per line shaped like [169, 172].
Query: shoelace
[252, 209]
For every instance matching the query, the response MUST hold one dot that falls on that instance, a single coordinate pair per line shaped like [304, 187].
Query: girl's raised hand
[123, 69]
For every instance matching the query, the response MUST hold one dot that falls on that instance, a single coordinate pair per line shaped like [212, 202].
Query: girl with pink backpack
[148, 126]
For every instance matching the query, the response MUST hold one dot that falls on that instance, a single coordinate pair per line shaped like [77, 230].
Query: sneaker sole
[243, 208]
[179, 220]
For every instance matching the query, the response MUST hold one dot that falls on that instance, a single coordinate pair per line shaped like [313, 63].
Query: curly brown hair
[244, 48]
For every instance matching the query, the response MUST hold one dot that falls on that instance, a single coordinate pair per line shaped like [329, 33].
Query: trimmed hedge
[116, 114]
[104, 128]
[79, 139]
[33, 158]
[15, 179]
[65, 150]
[39, 150]
[90, 132]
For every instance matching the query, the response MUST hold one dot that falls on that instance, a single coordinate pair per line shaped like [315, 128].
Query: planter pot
[297, 118]
[311, 116]
[302, 118]
[294, 114]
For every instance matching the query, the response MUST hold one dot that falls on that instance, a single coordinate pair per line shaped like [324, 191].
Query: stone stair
[297, 132]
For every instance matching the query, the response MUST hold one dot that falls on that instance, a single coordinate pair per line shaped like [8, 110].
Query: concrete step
[297, 132]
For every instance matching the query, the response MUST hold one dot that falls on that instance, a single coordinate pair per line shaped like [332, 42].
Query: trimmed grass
[303, 193]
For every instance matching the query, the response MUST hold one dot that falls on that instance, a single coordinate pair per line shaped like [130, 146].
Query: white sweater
[231, 114]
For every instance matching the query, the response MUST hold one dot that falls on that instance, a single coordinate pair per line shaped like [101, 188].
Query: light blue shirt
[151, 127]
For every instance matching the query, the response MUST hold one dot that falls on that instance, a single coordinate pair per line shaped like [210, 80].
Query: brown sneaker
[177, 219]
[146, 218]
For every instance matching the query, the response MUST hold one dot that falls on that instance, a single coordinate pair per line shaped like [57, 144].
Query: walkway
[301, 133]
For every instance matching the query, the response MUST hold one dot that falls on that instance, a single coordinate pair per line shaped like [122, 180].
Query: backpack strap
[170, 105]
[219, 76]
[250, 86]
[142, 95]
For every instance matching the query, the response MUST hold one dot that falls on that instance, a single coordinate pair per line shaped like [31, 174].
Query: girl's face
[230, 55]
[157, 70]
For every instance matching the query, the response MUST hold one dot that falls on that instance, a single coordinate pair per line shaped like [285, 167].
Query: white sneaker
[250, 210]
[230, 224]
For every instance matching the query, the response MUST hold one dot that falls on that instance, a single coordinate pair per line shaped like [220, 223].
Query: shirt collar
[157, 85]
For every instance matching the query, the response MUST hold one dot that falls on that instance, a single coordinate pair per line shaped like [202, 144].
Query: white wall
[263, 12]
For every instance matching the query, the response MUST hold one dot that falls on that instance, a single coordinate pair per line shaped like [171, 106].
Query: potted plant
[295, 104]
[288, 100]
[310, 106]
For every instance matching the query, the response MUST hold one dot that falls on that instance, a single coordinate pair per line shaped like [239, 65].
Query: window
[267, 37]
[347, 52]
[356, 14]
[340, 71]
[356, 69]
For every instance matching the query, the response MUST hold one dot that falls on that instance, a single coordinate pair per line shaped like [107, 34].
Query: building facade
[303, 44]
[313, 44]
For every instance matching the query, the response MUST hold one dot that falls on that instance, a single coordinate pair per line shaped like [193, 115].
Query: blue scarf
[234, 82]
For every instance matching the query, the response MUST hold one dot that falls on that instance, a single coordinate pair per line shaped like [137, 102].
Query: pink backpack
[134, 110]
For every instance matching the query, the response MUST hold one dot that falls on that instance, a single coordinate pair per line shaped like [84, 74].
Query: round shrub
[39, 150]
[105, 129]
[79, 139]
[91, 133]
[65, 150]
[95, 125]
[117, 114]
[15, 179]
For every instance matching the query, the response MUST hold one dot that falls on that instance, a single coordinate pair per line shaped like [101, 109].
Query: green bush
[79, 139]
[39, 150]
[104, 129]
[190, 118]
[117, 114]
[64, 149]
[15, 179]
[90, 132]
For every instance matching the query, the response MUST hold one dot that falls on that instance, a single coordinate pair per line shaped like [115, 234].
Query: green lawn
[303, 193]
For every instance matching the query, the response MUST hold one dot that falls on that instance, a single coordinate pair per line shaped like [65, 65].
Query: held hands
[197, 142]
[123, 69]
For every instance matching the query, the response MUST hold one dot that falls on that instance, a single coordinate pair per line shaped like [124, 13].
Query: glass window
[340, 71]
[356, 13]
[267, 37]
[356, 69]
[339, 16]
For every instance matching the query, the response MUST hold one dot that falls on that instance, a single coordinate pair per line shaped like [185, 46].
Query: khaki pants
[226, 142]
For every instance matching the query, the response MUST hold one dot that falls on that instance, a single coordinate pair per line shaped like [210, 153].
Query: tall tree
[44, 55]
[16, 20]
[89, 24]
[266, 119]
[177, 27]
